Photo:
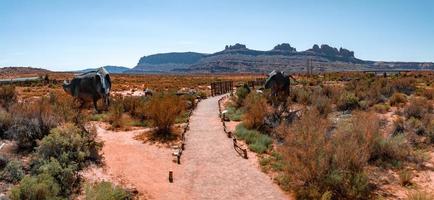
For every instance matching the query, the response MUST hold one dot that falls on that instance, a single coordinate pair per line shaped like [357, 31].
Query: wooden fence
[238, 148]
[221, 87]
[258, 82]
[177, 150]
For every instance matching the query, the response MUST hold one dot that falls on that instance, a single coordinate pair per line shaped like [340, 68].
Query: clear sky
[73, 34]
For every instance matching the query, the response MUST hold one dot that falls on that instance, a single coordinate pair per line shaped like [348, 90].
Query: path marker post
[171, 176]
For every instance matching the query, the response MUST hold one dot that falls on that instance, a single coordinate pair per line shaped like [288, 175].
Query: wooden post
[178, 158]
[235, 142]
[171, 176]
[245, 153]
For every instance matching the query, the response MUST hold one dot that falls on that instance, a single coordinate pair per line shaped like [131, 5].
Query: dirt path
[210, 168]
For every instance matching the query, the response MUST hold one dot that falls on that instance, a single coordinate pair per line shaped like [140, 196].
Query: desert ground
[349, 135]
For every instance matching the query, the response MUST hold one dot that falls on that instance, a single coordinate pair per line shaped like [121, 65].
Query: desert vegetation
[349, 124]
[334, 137]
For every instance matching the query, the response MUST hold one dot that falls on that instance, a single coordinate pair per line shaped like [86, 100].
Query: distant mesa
[237, 46]
[238, 58]
[176, 58]
[284, 47]
[331, 51]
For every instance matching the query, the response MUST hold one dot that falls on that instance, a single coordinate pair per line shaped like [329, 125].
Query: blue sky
[67, 35]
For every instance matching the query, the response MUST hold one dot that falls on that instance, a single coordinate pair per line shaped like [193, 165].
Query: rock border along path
[211, 169]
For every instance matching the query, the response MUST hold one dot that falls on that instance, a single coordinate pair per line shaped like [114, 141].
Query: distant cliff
[238, 58]
[166, 62]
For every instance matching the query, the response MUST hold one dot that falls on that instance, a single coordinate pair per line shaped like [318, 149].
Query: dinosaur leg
[95, 104]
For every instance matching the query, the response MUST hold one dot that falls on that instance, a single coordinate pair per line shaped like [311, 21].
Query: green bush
[13, 172]
[347, 101]
[234, 114]
[66, 176]
[382, 108]
[69, 145]
[389, 152]
[257, 142]
[106, 191]
[38, 187]
[242, 93]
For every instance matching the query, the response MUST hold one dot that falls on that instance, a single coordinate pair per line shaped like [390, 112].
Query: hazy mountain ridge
[239, 58]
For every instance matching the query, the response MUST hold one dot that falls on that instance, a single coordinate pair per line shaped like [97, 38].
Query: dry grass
[256, 109]
[162, 111]
[8, 96]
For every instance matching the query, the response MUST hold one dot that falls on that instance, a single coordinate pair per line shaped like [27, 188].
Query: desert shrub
[256, 110]
[322, 104]
[13, 172]
[420, 195]
[135, 106]
[202, 95]
[234, 114]
[8, 95]
[301, 95]
[64, 107]
[3, 162]
[241, 94]
[162, 111]
[317, 165]
[405, 177]
[404, 85]
[347, 101]
[65, 176]
[5, 122]
[257, 142]
[69, 145]
[38, 187]
[26, 132]
[106, 191]
[32, 121]
[389, 152]
[397, 99]
[382, 108]
[417, 108]
[428, 93]
[364, 105]
[115, 114]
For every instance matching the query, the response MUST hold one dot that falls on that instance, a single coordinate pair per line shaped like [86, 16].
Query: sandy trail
[210, 168]
[131, 162]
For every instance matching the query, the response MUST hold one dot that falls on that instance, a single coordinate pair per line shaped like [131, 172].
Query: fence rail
[258, 82]
[238, 148]
[221, 87]
[177, 150]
